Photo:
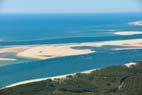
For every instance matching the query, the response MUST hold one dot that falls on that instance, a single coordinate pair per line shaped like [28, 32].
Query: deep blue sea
[29, 29]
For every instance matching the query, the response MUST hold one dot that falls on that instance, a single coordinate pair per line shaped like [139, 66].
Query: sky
[69, 6]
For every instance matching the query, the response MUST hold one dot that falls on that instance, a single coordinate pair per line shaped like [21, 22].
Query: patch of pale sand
[88, 71]
[46, 52]
[7, 59]
[136, 23]
[14, 49]
[61, 50]
[125, 33]
[130, 64]
[38, 80]
[133, 43]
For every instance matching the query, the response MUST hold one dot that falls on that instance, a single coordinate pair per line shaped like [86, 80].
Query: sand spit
[132, 43]
[52, 51]
[45, 51]
[61, 50]
[125, 33]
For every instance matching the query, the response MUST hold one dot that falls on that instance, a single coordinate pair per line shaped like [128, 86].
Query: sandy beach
[61, 50]
[60, 76]
[38, 80]
[52, 78]
[125, 33]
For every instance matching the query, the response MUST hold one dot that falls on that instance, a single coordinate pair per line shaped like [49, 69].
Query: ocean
[35, 29]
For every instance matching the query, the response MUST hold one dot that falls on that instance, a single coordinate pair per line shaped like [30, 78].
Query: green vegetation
[116, 80]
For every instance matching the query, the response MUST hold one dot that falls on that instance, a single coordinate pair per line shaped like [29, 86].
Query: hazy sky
[69, 6]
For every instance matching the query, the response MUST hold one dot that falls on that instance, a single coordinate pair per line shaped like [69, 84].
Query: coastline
[52, 78]
[128, 65]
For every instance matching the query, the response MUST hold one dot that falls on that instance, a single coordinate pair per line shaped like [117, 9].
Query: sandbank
[52, 51]
[60, 50]
[131, 43]
[125, 33]
[7, 59]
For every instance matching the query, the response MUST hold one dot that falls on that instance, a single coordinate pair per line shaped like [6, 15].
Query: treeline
[115, 80]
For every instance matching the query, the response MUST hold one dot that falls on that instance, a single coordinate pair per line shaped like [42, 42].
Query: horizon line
[68, 12]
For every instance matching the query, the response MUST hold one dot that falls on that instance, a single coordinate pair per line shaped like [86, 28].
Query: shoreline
[128, 65]
[46, 78]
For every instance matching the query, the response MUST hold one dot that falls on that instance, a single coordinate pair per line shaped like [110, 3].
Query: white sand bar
[61, 50]
[129, 43]
[45, 51]
[125, 33]
[51, 51]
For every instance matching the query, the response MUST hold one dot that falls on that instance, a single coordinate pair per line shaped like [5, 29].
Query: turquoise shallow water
[64, 28]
